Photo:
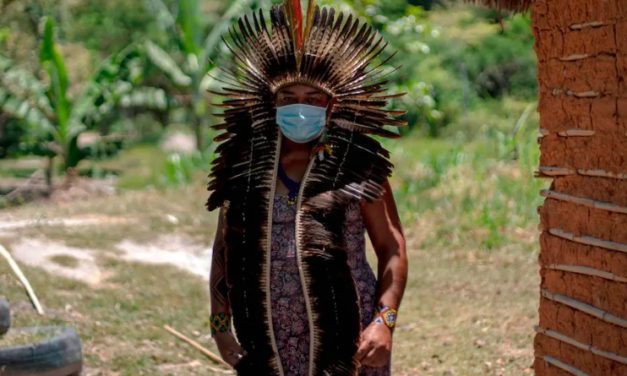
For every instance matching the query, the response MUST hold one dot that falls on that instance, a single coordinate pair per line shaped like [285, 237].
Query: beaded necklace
[292, 185]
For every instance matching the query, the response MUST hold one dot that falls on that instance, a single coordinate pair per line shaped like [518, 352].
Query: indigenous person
[298, 182]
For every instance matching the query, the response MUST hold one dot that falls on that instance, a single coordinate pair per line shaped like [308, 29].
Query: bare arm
[229, 348]
[217, 280]
[386, 234]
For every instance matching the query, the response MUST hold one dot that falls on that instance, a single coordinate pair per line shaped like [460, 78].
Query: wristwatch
[386, 315]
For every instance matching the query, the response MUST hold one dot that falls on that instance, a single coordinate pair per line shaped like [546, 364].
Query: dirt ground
[119, 267]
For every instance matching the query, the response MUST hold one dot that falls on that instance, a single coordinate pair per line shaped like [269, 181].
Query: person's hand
[375, 345]
[229, 348]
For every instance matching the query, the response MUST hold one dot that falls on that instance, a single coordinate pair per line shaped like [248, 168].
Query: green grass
[484, 182]
[463, 308]
[468, 207]
[121, 327]
[138, 215]
[22, 337]
[140, 166]
[65, 260]
[468, 212]
[20, 167]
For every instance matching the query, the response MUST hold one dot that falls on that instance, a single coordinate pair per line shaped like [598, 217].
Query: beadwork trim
[220, 323]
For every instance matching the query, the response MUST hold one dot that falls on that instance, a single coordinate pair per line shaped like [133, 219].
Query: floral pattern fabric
[289, 314]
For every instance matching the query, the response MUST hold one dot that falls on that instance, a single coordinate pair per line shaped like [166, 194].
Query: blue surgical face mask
[300, 122]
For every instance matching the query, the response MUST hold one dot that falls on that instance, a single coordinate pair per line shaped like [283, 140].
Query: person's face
[300, 93]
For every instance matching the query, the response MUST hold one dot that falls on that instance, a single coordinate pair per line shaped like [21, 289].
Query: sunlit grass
[485, 184]
[65, 260]
[467, 310]
[468, 207]
[138, 166]
[468, 210]
[121, 327]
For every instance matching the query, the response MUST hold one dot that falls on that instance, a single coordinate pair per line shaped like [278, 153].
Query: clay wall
[582, 72]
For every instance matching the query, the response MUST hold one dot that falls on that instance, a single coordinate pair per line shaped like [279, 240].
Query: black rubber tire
[59, 355]
[5, 316]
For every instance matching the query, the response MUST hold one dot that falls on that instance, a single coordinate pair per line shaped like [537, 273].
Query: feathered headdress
[332, 52]
[324, 49]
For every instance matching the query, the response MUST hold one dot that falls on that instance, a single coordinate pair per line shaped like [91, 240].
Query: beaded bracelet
[220, 322]
[386, 315]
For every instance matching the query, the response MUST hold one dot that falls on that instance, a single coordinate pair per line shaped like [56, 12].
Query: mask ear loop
[323, 147]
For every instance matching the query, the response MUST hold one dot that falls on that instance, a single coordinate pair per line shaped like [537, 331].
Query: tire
[59, 355]
[5, 316]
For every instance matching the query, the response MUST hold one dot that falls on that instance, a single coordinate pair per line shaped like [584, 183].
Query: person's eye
[283, 101]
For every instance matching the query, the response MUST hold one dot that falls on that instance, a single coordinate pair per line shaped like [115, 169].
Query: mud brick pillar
[582, 73]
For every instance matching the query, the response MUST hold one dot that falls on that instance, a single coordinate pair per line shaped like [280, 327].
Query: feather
[311, 5]
[295, 21]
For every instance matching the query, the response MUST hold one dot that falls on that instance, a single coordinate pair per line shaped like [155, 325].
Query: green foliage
[503, 62]
[487, 187]
[449, 59]
[190, 56]
[406, 27]
[46, 107]
[22, 96]
[180, 169]
[118, 84]
[67, 127]
[138, 166]
[480, 171]
[107, 27]
[469, 75]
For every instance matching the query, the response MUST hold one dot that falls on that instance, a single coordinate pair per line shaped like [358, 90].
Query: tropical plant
[453, 59]
[51, 116]
[188, 61]
[406, 28]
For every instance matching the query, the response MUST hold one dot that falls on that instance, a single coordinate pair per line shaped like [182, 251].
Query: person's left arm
[386, 235]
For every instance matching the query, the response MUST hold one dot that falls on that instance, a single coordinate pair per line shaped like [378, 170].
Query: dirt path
[83, 264]
[8, 224]
[41, 253]
[174, 249]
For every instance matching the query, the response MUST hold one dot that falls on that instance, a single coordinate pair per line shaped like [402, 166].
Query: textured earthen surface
[582, 74]
[583, 328]
[568, 151]
[556, 250]
[584, 360]
[584, 221]
[600, 189]
[543, 368]
[566, 112]
[591, 290]
[564, 14]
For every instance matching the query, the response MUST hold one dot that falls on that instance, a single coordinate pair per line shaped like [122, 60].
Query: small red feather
[297, 19]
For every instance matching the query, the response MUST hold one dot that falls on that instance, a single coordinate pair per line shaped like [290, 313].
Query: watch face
[390, 317]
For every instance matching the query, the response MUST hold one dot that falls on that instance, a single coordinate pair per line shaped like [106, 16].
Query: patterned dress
[289, 315]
